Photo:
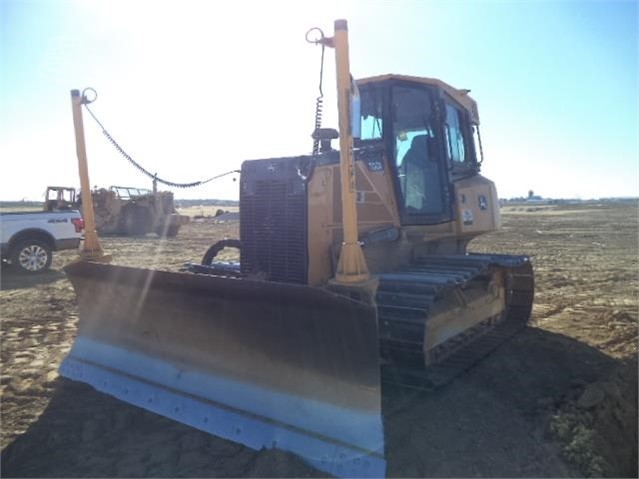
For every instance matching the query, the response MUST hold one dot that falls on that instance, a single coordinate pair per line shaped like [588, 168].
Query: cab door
[421, 166]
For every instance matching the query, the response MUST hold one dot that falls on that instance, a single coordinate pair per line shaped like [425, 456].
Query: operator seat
[423, 178]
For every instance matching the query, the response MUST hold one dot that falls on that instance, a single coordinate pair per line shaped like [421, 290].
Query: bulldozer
[353, 272]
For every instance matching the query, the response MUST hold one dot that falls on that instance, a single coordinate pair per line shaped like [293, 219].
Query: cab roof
[459, 95]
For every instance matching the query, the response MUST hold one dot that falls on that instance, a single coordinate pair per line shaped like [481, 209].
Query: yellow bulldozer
[353, 271]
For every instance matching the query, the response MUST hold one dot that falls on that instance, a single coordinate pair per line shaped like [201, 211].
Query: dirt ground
[559, 400]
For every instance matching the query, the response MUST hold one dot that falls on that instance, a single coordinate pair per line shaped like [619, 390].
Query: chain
[145, 171]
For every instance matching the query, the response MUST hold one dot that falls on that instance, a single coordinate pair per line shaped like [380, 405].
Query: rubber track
[405, 298]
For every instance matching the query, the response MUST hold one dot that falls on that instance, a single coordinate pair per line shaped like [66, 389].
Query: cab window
[372, 121]
[455, 138]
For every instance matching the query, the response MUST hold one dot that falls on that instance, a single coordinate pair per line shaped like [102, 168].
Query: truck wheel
[31, 256]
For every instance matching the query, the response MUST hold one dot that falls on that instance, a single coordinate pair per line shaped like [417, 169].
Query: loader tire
[137, 222]
[171, 231]
[212, 252]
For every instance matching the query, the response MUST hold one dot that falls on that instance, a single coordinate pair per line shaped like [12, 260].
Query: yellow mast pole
[351, 267]
[90, 248]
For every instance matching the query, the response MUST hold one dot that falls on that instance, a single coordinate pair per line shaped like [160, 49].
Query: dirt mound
[598, 430]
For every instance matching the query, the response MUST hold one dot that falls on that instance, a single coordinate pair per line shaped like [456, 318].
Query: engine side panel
[376, 209]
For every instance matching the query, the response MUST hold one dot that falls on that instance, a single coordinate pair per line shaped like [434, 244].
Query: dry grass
[206, 210]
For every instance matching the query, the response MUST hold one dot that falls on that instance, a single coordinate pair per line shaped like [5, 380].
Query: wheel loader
[130, 211]
[123, 210]
[353, 271]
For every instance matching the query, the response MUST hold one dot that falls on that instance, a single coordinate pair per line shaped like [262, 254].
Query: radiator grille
[273, 221]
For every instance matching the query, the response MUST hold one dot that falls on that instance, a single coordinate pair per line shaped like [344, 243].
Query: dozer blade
[260, 363]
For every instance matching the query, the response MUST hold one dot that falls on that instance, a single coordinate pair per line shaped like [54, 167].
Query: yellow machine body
[353, 270]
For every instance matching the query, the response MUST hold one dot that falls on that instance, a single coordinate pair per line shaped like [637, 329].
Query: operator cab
[429, 131]
[59, 198]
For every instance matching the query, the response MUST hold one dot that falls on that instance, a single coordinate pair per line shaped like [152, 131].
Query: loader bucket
[260, 363]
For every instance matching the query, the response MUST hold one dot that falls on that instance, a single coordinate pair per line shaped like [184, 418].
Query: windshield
[126, 192]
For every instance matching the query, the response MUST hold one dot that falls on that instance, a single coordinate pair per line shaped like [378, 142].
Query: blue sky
[190, 89]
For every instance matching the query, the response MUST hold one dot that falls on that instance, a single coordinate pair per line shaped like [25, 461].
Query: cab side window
[372, 120]
[454, 134]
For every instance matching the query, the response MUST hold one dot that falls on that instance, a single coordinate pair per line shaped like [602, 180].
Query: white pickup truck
[29, 238]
